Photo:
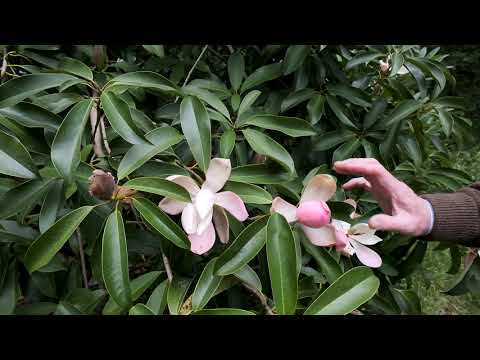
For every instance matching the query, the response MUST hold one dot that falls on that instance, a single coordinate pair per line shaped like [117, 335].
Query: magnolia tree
[151, 180]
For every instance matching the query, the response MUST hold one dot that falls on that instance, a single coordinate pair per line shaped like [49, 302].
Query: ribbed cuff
[457, 217]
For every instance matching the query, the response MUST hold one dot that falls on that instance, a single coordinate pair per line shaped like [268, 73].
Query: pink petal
[187, 182]
[320, 187]
[366, 255]
[284, 208]
[232, 203]
[324, 236]
[200, 244]
[204, 202]
[172, 206]
[217, 174]
[189, 219]
[341, 240]
[220, 221]
[313, 214]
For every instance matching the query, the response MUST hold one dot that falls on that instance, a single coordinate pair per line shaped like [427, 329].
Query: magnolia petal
[284, 208]
[361, 229]
[204, 202]
[366, 239]
[200, 244]
[341, 225]
[402, 71]
[366, 255]
[324, 236]
[341, 240]
[233, 204]
[353, 203]
[172, 206]
[348, 250]
[320, 187]
[187, 182]
[217, 174]
[220, 220]
[203, 223]
[189, 219]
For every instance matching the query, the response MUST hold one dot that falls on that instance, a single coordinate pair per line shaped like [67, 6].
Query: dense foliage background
[281, 114]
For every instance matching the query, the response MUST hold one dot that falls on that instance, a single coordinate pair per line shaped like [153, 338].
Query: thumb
[387, 223]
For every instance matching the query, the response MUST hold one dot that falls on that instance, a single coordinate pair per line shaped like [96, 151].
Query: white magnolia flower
[208, 204]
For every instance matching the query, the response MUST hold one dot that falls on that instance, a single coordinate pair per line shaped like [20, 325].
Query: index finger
[362, 167]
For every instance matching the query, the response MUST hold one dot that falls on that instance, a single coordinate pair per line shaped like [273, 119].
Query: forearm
[456, 216]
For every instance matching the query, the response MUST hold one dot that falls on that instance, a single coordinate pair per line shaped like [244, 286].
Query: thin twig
[96, 135]
[104, 134]
[193, 68]
[261, 297]
[82, 258]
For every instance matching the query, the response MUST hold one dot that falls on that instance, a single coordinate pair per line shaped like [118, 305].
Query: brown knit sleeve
[457, 216]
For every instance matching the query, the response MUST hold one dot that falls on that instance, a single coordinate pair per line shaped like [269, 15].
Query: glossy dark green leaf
[347, 293]
[401, 111]
[206, 286]
[209, 98]
[351, 94]
[414, 259]
[397, 63]
[8, 296]
[294, 58]
[196, 129]
[339, 111]
[43, 249]
[161, 222]
[236, 70]
[157, 301]
[15, 159]
[375, 112]
[446, 121]
[160, 187]
[75, 67]
[66, 145]
[32, 142]
[243, 249]
[387, 146]
[31, 116]
[249, 276]
[412, 148]
[249, 193]
[292, 126]
[221, 311]
[248, 101]
[450, 101]
[262, 75]
[265, 145]
[142, 121]
[140, 309]
[227, 143]
[45, 282]
[51, 206]
[65, 308]
[282, 264]
[39, 308]
[177, 290]
[144, 79]
[259, 174]
[407, 301]
[363, 58]
[316, 108]
[296, 98]
[15, 90]
[346, 150]
[330, 139]
[155, 49]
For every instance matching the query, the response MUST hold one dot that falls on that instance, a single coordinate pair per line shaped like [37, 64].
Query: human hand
[404, 211]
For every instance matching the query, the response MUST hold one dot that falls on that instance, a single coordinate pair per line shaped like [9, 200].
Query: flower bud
[102, 185]
[313, 214]
[384, 66]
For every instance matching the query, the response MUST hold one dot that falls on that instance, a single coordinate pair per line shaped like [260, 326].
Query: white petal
[320, 187]
[203, 223]
[366, 255]
[217, 174]
[220, 220]
[204, 202]
[402, 71]
[341, 225]
[366, 239]
[324, 236]
[284, 208]
[189, 219]
[361, 229]
[232, 203]
[172, 206]
[200, 244]
[187, 182]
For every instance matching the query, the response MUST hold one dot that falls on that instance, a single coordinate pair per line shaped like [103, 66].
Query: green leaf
[407, 301]
[261, 75]
[44, 248]
[364, 58]
[249, 193]
[397, 63]
[376, 111]
[162, 138]
[142, 121]
[291, 126]
[322, 257]
[282, 264]
[316, 108]
[450, 101]
[226, 311]
[65, 308]
[51, 206]
[115, 260]
[412, 148]
[39, 308]
[31, 116]
[15, 159]
[196, 128]
[66, 144]
[236, 70]
[296, 98]
[401, 111]
[265, 145]
[209, 98]
[155, 49]
[22, 196]
[140, 309]
[161, 222]
[8, 296]
[45, 283]
[430, 67]
[143, 79]
[340, 111]
[346, 150]
[468, 280]
[206, 286]
[158, 299]
[235, 101]
[331, 139]
[75, 67]
[352, 94]
[249, 276]
[159, 186]
[259, 174]
[248, 101]
[347, 293]
[15, 90]
[243, 249]
[177, 290]
[119, 117]
[446, 121]
[227, 143]
[387, 146]
[294, 58]
[414, 259]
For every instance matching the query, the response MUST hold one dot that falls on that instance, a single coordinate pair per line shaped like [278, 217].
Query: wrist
[427, 218]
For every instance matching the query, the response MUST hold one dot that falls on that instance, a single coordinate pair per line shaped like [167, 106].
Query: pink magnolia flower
[207, 207]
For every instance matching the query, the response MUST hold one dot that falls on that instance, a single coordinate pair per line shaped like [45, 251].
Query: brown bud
[102, 185]
[123, 193]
